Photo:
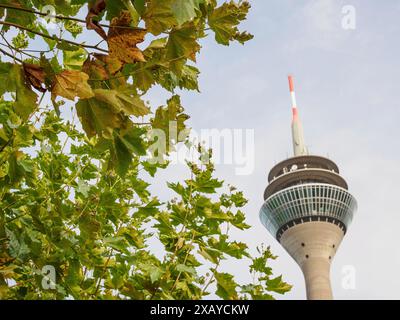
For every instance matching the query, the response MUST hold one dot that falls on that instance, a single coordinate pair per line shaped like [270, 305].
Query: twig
[11, 56]
[60, 17]
[6, 144]
[51, 37]
[10, 46]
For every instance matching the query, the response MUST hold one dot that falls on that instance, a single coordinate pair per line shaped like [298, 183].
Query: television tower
[308, 209]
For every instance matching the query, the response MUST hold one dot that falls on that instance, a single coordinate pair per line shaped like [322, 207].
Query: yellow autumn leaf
[71, 84]
[122, 39]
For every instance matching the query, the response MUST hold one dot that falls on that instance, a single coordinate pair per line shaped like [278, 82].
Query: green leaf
[151, 168]
[172, 114]
[17, 16]
[154, 272]
[143, 79]
[15, 170]
[13, 80]
[133, 140]
[121, 156]
[182, 44]
[20, 41]
[189, 78]
[117, 243]
[83, 188]
[73, 60]
[234, 249]
[18, 248]
[158, 16]
[226, 286]
[278, 286]
[74, 275]
[66, 46]
[225, 19]
[73, 27]
[139, 6]
[123, 100]
[185, 10]
[238, 221]
[7, 83]
[210, 254]
[181, 190]
[97, 117]
[185, 268]
[257, 292]
[89, 226]
[151, 208]
[124, 144]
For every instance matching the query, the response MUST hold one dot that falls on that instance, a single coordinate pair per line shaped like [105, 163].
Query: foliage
[78, 200]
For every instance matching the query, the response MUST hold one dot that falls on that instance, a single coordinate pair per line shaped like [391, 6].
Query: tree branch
[7, 6]
[60, 17]
[10, 46]
[10, 55]
[51, 37]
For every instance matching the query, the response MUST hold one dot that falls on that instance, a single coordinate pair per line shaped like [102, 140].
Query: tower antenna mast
[299, 148]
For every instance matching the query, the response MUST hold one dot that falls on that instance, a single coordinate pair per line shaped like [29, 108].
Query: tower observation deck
[308, 209]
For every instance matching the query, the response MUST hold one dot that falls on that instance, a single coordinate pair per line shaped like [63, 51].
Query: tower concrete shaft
[313, 245]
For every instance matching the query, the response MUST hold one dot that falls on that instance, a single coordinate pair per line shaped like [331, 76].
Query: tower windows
[308, 200]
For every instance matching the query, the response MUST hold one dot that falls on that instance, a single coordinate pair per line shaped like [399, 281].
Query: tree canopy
[74, 192]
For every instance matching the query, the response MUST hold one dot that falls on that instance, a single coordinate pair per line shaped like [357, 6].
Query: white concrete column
[313, 245]
[317, 276]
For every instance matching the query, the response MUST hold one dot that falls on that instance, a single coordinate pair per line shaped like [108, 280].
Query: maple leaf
[159, 16]
[6, 83]
[185, 10]
[123, 100]
[74, 60]
[112, 64]
[182, 44]
[226, 286]
[97, 117]
[25, 98]
[124, 144]
[172, 112]
[225, 19]
[122, 39]
[95, 69]
[71, 84]
[35, 75]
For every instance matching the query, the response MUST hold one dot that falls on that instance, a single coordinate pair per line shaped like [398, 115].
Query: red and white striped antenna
[299, 147]
[293, 96]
